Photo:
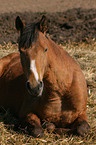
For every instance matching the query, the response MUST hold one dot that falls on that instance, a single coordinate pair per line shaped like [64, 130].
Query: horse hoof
[82, 128]
[37, 132]
[49, 126]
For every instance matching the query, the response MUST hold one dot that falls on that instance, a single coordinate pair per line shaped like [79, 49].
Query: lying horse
[43, 85]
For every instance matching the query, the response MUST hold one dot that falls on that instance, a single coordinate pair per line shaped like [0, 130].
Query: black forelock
[29, 35]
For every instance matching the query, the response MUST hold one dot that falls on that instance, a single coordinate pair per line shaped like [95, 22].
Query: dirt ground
[69, 20]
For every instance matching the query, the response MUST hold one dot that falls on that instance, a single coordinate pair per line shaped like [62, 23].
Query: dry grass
[85, 55]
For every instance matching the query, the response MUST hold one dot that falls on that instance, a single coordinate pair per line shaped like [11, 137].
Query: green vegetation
[85, 55]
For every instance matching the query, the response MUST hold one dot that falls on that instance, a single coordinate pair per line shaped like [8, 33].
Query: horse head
[33, 52]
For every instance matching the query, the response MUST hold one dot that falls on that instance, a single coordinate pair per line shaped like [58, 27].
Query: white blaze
[34, 70]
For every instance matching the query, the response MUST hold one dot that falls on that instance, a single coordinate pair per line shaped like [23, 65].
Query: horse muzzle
[35, 91]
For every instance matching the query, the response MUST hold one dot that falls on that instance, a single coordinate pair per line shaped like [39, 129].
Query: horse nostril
[41, 83]
[28, 85]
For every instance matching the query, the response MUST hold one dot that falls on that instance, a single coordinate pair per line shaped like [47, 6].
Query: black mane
[29, 35]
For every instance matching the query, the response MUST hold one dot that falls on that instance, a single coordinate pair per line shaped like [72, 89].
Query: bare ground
[70, 20]
[73, 25]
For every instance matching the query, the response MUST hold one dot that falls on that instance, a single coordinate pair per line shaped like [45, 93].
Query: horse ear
[19, 24]
[43, 24]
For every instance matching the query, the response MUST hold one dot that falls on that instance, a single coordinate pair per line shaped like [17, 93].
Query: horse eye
[46, 49]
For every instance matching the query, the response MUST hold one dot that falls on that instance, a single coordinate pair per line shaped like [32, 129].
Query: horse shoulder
[10, 66]
[5, 61]
[12, 81]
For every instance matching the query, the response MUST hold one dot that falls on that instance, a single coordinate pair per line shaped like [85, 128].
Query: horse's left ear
[43, 24]
[19, 24]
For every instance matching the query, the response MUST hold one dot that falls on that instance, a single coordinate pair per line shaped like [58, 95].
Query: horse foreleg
[34, 125]
[52, 128]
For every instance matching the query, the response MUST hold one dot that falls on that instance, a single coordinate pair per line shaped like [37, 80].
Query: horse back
[11, 82]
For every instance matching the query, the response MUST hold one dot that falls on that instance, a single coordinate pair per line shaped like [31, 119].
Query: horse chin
[41, 92]
[35, 94]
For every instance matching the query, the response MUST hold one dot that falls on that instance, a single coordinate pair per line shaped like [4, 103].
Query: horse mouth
[36, 92]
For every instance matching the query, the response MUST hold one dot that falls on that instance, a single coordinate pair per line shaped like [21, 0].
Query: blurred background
[44, 5]
[72, 24]
[69, 20]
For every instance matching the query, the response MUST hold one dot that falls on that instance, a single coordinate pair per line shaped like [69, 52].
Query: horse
[42, 84]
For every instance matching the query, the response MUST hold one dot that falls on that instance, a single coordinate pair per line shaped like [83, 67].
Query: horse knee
[82, 128]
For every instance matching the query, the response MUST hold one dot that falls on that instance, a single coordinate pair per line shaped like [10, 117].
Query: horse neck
[54, 54]
[54, 62]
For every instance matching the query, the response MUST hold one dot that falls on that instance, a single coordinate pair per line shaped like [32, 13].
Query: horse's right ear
[19, 24]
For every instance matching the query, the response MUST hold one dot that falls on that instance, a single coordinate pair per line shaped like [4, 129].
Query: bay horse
[43, 85]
